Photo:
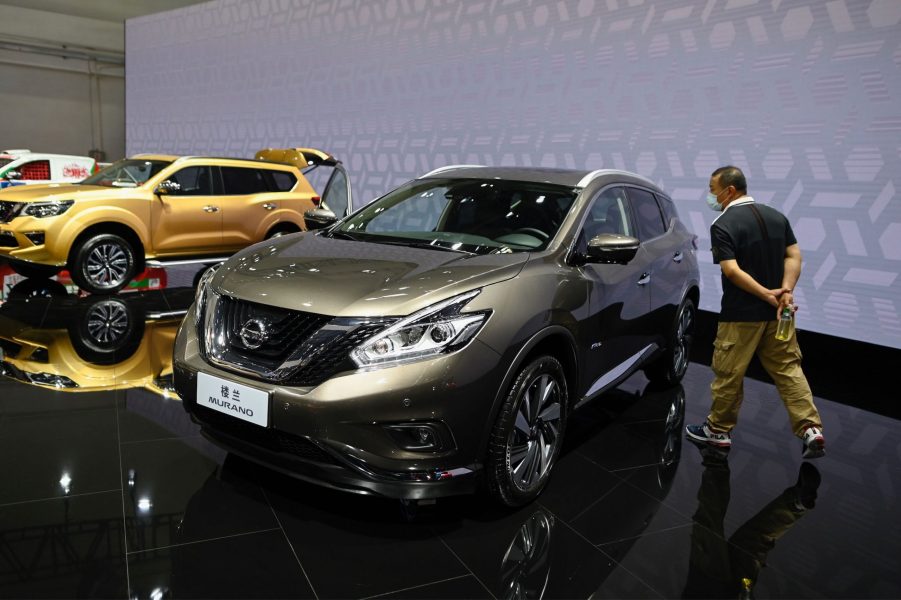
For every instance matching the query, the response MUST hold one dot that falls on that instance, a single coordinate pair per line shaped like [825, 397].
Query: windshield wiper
[343, 235]
[421, 244]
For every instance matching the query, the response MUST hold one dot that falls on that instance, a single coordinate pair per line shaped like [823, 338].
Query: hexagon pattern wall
[805, 95]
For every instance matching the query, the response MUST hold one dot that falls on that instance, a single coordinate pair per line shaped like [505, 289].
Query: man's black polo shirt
[758, 244]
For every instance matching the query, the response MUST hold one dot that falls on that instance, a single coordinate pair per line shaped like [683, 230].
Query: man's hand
[774, 297]
[786, 299]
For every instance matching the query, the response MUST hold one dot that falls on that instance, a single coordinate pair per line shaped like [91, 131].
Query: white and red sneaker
[814, 443]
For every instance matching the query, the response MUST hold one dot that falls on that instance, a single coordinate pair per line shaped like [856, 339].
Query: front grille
[8, 210]
[268, 439]
[300, 348]
[286, 328]
[335, 357]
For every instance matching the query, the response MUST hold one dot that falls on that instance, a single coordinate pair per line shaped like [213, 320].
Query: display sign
[232, 398]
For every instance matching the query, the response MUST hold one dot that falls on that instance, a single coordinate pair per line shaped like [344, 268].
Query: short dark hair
[733, 176]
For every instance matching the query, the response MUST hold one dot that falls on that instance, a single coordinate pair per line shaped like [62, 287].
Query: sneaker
[814, 443]
[703, 433]
[804, 492]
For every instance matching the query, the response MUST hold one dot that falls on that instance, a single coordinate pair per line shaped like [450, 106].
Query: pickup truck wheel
[103, 263]
[32, 270]
[527, 437]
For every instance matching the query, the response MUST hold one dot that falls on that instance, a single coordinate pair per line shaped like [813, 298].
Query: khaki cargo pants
[735, 345]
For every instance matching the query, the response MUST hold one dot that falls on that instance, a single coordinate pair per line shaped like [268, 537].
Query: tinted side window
[647, 213]
[193, 181]
[240, 181]
[668, 208]
[609, 214]
[282, 181]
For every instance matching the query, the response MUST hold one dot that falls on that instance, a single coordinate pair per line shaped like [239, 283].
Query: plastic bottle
[786, 322]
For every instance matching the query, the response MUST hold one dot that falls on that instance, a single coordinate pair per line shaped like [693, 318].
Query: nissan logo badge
[253, 333]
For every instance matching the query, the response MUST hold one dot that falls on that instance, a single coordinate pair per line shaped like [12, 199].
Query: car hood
[314, 273]
[57, 191]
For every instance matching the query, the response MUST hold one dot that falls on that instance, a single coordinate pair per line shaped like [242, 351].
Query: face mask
[713, 202]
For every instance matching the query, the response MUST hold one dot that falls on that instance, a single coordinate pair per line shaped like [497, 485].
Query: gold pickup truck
[152, 210]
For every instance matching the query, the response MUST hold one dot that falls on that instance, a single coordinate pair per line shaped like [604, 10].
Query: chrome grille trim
[302, 340]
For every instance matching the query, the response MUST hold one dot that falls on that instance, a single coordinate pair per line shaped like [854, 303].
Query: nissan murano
[436, 341]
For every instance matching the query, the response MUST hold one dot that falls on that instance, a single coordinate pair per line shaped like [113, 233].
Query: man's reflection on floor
[728, 569]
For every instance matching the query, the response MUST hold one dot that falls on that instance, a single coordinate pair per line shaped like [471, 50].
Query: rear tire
[528, 434]
[103, 263]
[669, 368]
[32, 270]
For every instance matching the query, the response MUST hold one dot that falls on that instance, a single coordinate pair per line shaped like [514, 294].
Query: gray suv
[437, 339]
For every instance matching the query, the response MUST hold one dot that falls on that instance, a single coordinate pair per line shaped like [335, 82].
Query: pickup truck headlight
[434, 330]
[47, 209]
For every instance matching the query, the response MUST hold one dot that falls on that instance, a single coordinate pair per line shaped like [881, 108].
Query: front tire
[528, 434]
[103, 264]
[669, 368]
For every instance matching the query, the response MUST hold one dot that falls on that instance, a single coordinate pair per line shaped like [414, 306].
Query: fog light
[35, 237]
[421, 437]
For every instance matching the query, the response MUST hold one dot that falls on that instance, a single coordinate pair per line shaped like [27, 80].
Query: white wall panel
[803, 95]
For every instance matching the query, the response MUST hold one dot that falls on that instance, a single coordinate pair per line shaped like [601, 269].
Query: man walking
[761, 262]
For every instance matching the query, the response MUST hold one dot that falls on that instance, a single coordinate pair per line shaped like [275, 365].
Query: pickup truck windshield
[126, 173]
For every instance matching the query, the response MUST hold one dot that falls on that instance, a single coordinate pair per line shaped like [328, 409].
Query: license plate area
[232, 398]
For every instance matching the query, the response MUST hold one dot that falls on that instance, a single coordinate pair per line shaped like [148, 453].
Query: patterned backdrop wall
[805, 96]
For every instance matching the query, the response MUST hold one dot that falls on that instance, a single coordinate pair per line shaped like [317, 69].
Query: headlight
[200, 292]
[47, 209]
[434, 330]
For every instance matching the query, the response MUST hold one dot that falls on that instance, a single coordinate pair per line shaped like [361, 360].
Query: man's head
[726, 184]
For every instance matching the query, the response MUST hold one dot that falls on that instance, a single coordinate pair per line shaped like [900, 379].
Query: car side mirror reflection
[319, 218]
[12, 175]
[167, 187]
[611, 248]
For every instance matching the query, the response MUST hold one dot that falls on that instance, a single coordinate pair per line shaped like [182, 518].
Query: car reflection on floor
[71, 343]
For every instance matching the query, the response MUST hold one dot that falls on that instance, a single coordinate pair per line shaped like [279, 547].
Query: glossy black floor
[110, 491]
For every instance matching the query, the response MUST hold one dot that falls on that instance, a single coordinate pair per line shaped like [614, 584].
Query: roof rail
[447, 168]
[598, 173]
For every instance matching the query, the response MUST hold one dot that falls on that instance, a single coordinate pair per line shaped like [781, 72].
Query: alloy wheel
[683, 340]
[535, 435]
[107, 265]
[107, 322]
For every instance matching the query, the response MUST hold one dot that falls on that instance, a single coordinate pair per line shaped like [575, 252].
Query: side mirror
[319, 218]
[167, 187]
[12, 175]
[612, 248]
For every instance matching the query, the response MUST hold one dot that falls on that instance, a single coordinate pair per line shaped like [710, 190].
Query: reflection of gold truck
[153, 209]
[99, 343]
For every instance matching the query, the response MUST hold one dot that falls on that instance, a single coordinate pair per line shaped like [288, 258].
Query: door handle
[269, 206]
[210, 208]
[677, 257]
[645, 279]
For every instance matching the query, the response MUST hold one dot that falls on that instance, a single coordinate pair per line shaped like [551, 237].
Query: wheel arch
[556, 341]
[120, 229]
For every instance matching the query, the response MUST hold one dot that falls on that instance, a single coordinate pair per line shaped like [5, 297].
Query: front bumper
[333, 434]
[17, 243]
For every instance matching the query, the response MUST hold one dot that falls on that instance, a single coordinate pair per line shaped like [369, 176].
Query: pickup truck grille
[9, 210]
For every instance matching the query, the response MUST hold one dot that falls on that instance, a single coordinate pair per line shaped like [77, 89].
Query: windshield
[466, 215]
[130, 172]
